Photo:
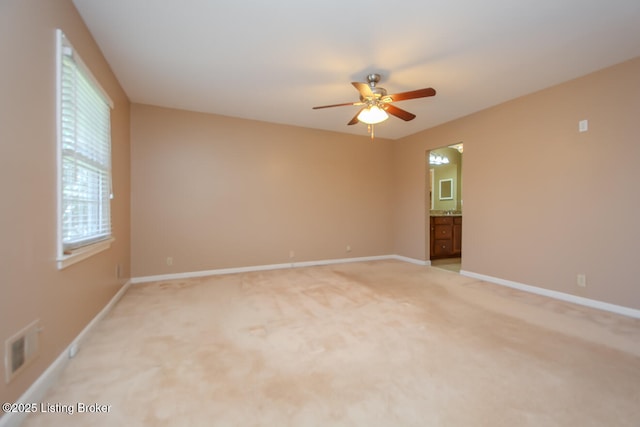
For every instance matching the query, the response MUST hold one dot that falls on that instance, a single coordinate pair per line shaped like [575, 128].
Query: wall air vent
[21, 349]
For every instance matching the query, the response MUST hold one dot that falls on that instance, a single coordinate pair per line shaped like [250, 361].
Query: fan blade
[364, 89]
[355, 118]
[399, 112]
[420, 93]
[338, 105]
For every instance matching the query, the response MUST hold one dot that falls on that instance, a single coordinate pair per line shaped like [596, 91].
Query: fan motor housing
[378, 92]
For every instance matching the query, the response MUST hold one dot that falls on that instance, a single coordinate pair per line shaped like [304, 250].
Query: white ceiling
[274, 60]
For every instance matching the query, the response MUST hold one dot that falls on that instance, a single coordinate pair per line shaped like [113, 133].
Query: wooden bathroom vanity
[446, 236]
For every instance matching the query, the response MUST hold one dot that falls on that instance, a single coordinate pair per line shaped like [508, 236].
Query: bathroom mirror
[446, 189]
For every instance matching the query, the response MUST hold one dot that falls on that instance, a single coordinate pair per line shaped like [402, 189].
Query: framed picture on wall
[446, 189]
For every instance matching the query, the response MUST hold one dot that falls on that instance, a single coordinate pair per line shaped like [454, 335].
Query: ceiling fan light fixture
[373, 115]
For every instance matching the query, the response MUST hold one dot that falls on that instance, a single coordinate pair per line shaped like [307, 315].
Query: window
[84, 159]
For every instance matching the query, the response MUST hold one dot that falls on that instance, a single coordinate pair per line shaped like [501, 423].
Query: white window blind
[84, 151]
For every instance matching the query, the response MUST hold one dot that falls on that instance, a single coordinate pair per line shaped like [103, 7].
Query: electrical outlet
[292, 254]
[348, 248]
[583, 125]
[169, 261]
[73, 350]
[581, 280]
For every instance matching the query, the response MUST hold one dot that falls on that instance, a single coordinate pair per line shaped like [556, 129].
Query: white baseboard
[411, 260]
[618, 309]
[216, 272]
[38, 389]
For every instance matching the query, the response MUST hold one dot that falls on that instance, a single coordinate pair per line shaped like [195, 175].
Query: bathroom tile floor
[451, 264]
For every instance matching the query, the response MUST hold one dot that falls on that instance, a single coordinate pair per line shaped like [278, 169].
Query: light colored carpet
[362, 344]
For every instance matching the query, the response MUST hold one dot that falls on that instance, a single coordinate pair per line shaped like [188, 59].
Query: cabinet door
[457, 239]
[441, 248]
[442, 231]
[432, 238]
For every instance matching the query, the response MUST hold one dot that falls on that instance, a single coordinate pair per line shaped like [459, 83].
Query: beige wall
[31, 286]
[217, 192]
[542, 202]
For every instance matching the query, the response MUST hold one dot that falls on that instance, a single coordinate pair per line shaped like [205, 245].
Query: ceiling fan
[376, 104]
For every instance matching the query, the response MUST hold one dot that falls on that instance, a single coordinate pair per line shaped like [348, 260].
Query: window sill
[83, 253]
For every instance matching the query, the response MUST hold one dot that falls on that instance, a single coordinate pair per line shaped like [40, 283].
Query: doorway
[445, 206]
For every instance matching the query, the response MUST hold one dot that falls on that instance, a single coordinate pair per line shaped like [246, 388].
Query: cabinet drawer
[442, 220]
[442, 232]
[457, 220]
[442, 247]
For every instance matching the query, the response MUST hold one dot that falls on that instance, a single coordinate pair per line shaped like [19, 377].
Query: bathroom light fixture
[373, 115]
[438, 159]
